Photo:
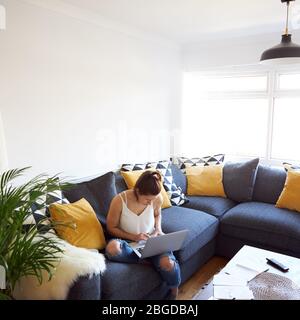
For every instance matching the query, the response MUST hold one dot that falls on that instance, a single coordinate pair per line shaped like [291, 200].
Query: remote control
[276, 264]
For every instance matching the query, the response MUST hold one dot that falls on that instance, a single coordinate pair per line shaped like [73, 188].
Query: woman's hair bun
[157, 175]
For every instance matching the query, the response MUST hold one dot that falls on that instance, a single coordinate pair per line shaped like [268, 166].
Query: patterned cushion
[40, 210]
[176, 196]
[287, 166]
[133, 167]
[56, 197]
[183, 162]
[175, 193]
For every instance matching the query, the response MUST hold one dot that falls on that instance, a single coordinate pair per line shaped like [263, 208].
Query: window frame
[272, 93]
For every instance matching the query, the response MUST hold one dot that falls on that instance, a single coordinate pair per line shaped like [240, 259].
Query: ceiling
[186, 21]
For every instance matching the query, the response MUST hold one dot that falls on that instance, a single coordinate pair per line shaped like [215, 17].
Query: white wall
[81, 99]
[3, 152]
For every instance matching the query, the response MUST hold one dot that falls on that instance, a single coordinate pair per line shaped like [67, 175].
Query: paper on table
[251, 271]
[244, 272]
[233, 292]
[223, 279]
[255, 268]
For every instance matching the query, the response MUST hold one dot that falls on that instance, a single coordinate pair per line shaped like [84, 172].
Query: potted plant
[25, 250]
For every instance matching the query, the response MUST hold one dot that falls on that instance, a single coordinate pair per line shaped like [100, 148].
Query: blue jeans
[127, 255]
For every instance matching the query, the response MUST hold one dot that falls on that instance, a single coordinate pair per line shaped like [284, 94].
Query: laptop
[160, 244]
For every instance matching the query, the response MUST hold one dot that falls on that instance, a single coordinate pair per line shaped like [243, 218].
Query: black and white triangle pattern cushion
[133, 167]
[38, 217]
[288, 166]
[176, 196]
[183, 162]
[40, 209]
[56, 196]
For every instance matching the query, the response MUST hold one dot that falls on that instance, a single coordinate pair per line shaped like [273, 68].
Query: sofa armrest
[86, 288]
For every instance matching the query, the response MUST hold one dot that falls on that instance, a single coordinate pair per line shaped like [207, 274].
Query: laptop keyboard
[140, 250]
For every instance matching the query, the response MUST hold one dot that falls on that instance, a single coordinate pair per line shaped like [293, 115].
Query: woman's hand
[157, 233]
[141, 236]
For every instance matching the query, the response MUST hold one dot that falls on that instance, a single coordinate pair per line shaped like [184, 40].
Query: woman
[135, 215]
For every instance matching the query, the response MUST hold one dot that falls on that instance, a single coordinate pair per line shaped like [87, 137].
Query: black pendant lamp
[286, 52]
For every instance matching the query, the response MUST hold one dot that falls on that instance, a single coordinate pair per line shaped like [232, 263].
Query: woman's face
[146, 199]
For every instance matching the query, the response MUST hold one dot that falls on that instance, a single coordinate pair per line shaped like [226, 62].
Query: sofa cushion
[179, 178]
[216, 206]
[288, 166]
[127, 281]
[131, 178]
[290, 196]
[239, 179]
[183, 162]
[264, 224]
[99, 192]
[120, 182]
[205, 181]
[177, 197]
[170, 189]
[88, 232]
[269, 184]
[202, 228]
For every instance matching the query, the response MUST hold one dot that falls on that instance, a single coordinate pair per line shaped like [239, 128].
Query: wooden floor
[188, 289]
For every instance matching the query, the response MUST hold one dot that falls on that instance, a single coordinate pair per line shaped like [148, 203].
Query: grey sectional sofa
[217, 226]
[259, 222]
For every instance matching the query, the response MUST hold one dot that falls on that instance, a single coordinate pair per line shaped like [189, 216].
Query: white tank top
[133, 223]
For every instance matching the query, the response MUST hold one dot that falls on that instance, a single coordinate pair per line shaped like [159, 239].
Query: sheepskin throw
[74, 262]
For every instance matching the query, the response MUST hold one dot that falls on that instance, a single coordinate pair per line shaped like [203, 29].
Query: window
[231, 119]
[226, 84]
[289, 81]
[286, 112]
[228, 126]
[286, 130]
[242, 115]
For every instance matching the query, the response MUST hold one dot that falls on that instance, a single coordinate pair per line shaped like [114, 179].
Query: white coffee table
[256, 258]
[251, 261]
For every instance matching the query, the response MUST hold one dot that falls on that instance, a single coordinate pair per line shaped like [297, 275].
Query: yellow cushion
[131, 178]
[290, 195]
[86, 232]
[205, 181]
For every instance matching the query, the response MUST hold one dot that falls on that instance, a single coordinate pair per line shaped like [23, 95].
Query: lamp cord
[287, 18]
